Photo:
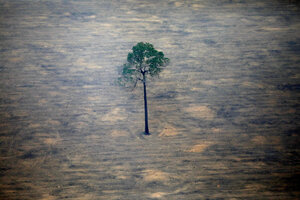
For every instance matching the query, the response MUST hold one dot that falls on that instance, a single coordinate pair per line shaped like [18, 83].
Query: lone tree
[144, 60]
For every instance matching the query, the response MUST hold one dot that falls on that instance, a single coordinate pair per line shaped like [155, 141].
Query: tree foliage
[142, 61]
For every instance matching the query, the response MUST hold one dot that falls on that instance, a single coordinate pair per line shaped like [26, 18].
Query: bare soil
[223, 116]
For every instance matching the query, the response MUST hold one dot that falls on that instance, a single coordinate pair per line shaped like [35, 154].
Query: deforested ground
[224, 115]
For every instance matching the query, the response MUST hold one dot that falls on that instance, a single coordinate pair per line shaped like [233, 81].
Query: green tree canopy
[142, 61]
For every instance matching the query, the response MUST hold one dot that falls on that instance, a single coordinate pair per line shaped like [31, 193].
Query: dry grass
[116, 114]
[168, 131]
[198, 148]
[200, 111]
[158, 195]
[119, 133]
[155, 175]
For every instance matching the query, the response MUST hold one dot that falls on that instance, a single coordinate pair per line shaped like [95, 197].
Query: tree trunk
[145, 106]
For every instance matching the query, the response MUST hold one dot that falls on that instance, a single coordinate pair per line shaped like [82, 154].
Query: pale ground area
[223, 116]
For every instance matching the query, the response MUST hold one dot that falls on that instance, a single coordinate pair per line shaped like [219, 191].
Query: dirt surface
[224, 115]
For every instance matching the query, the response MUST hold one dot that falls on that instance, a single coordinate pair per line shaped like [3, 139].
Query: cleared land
[224, 116]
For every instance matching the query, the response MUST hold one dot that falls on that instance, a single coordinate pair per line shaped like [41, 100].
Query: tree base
[146, 133]
[143, 135]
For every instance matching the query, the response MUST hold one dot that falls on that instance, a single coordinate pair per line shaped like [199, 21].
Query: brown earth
[223, 115]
